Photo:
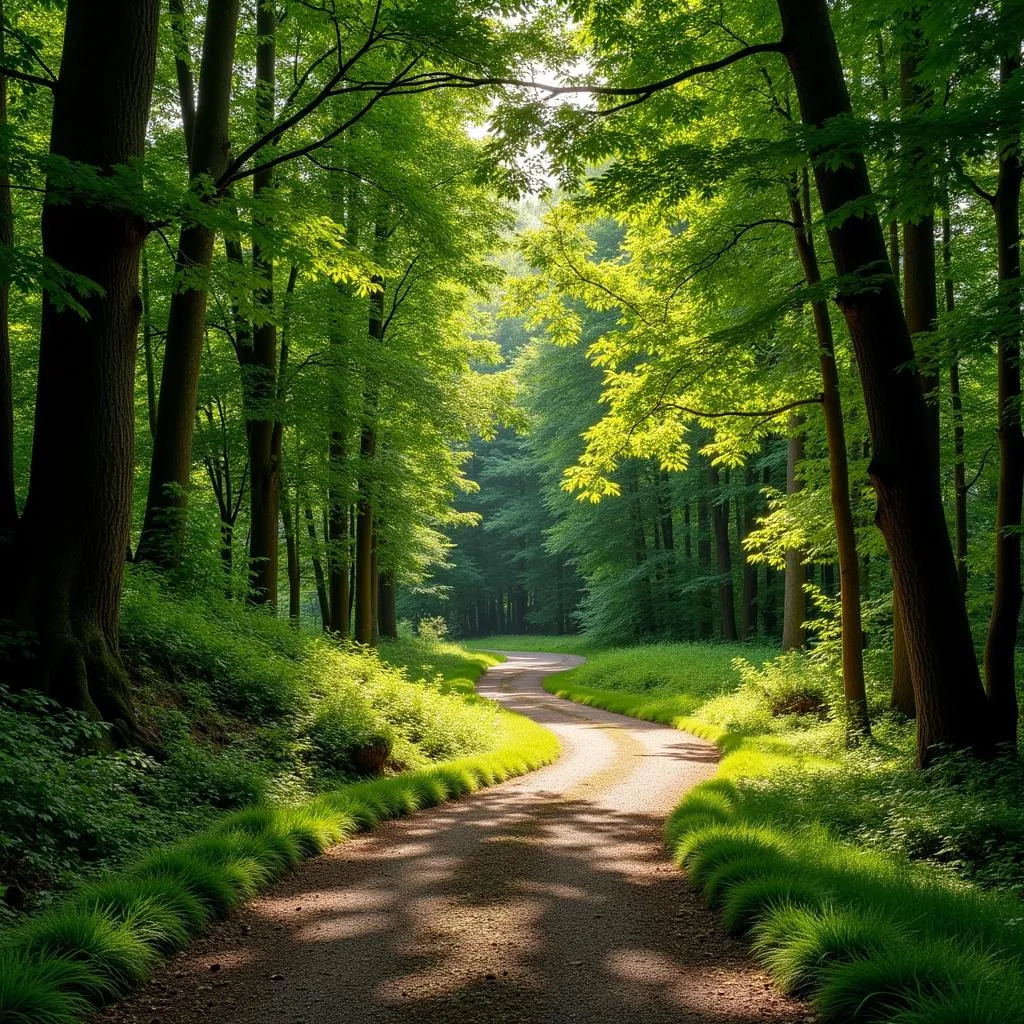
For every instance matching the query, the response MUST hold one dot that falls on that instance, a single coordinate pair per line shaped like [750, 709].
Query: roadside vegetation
[881, 892]
[268, 747]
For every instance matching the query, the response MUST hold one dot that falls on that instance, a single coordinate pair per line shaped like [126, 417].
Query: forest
[400, 398]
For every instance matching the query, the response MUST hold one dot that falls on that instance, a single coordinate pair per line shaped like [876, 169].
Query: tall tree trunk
[366, 606]
[290, 522]
[1000, 645]
[950, 701]
[858, 725]
[66, 588]
[745, 525]
[8, 504]
[163, 527]
[920, 305]
[956, 402]
[387, 610]
[262, 428]
[723, 555]
[318, 571]
[794, 599]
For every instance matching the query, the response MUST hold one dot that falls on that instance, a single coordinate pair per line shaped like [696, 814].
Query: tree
[64, 570]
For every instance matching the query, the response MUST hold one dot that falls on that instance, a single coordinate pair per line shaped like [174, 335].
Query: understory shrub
[247, 711]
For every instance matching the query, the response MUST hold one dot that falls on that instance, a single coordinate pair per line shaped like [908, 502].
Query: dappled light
[511, 511]
[549, 897]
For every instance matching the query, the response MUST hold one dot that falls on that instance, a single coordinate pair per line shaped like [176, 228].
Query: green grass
[663, 683]
[570, 644]
[106, 938]
[879, 893]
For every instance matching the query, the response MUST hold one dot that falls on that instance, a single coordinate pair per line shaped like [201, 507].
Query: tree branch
[11, 31]
[24, 76]
[765, 414]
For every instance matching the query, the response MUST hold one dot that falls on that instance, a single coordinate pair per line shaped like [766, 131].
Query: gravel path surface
[546, 899]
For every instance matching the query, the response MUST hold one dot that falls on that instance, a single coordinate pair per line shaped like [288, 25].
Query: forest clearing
[511, 510]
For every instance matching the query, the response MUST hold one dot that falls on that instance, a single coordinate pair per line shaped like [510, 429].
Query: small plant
[433, 627]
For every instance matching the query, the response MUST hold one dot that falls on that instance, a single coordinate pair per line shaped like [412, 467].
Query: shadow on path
[547, 899]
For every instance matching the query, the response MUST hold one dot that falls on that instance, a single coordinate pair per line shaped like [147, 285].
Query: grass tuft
[876, 988]
[973, 1005]
[746, 902]
[801, 945]
[53, 990]
[114, 955]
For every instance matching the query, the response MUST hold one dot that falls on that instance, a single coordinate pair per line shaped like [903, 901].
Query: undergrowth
[246, 711]
[876, 891]
[124, 857]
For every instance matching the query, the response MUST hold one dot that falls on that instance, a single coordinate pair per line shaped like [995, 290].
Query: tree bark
[920, 305]
[66, 591]
[8, 503]
[745, 523]
[263, 426]
[1000, 645]
[387, 612]
[794, 599]
[950, 700]
[318, 572]
[858, 725]
[163, 527]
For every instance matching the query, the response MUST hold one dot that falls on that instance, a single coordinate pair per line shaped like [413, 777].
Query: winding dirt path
[546, 899]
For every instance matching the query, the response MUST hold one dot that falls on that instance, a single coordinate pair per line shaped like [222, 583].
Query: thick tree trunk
[794, 599]
[745, 522]
[858, 725]
[262, 429]
[1000, 645]
[163, 528]
[66, 591]
[951, 703]
[920, 305]
[723, 556]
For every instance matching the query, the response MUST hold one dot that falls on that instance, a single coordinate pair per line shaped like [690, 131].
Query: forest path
[546, 899]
